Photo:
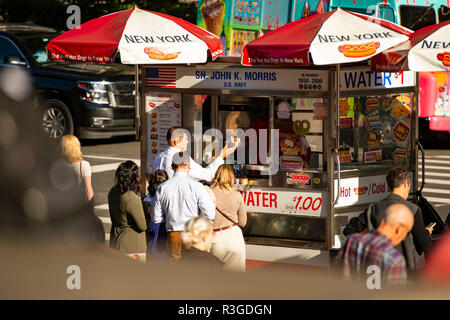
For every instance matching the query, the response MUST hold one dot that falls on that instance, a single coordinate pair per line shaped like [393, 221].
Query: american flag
[164, 77]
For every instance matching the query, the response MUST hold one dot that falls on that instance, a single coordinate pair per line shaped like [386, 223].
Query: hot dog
[401, 131]
[359, 50]
[400, 154]
[157, 54]
[372, 105]
[360, 191]
[445, 58]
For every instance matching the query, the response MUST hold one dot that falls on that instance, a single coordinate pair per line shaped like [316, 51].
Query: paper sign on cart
[297, 203]
[361, 190]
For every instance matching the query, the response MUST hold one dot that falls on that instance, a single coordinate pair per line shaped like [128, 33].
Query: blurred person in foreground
[231, 215]
[362, 251]
[179, 199]
[156, 232]
[197, 239]
[418, 242]
[127, 214]
[437, 268]
[178, 141]
[40, 196]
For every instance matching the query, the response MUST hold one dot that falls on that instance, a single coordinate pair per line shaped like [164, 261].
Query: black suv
[89, 100]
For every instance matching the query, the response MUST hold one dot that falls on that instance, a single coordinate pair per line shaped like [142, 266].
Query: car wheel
[56, 119]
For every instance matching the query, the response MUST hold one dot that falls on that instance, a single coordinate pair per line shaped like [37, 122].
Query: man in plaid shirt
[360, 251]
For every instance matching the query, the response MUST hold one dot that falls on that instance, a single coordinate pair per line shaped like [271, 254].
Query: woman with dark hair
[127, 214]
[156, 232]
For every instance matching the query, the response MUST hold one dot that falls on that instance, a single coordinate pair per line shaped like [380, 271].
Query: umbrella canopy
[329, 38]
[428, 49]
[141, 37]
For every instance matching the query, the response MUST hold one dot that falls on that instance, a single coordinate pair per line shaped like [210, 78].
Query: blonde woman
[228, 245]
[197, 238]
[71, 148]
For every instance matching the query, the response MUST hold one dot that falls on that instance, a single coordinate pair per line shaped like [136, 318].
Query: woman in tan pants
[228, 245]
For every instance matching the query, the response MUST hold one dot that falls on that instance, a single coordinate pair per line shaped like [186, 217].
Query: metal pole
[137, 102]
[335, 200]
[140, 136]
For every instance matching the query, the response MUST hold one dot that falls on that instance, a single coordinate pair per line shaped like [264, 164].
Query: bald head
[400, 213]
[398, 221]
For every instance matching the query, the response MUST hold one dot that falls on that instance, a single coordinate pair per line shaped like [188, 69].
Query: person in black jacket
[418, 241]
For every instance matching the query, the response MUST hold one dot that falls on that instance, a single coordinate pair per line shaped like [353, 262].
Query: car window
[8, 49]
[36, 44]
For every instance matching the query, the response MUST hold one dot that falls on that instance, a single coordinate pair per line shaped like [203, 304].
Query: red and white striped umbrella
[141, 37]
[329, 38]
[428, 49]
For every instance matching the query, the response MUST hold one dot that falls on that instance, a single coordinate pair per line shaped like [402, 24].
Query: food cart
[325, 163]
[316, 141]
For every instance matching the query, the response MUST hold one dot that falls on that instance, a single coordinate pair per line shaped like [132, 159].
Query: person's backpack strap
[369, 216]
[81, 173]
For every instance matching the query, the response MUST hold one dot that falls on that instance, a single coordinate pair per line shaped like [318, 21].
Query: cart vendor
[178, 141]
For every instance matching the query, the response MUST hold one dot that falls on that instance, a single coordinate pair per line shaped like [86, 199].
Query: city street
[105, 155]
[330, 115]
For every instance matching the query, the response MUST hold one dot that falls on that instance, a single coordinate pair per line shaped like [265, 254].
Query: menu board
[381, 126]
[163, 112]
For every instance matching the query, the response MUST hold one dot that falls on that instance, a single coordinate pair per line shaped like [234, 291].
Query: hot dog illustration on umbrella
[333, 37]
[161, 54]
[359, 50]
[445, 58]
[426, 50]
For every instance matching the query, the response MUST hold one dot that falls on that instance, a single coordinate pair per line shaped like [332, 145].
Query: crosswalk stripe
[105, 220]
[434, 174]
[435, 167]
[438, 200]
[434, 161]
[137, 161]
[431, 190]
[102, 206]
[446, 182]
[439, 157]
[105, 167]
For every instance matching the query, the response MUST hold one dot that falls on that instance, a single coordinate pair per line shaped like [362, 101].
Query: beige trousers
[229, 247]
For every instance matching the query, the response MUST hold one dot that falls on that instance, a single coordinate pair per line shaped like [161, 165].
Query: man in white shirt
[178, 142]
[178, 200]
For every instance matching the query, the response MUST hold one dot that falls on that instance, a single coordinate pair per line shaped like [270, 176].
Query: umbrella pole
[338, 98]
[137, 102]
[336, 150]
